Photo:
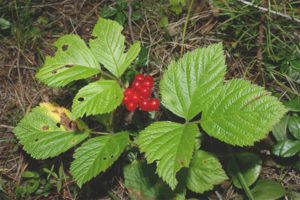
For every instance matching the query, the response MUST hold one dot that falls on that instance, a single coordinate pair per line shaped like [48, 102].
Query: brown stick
[129, 20]
[261, 36]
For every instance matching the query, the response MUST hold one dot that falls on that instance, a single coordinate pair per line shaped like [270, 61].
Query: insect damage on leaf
[62, 67]
[63, 118]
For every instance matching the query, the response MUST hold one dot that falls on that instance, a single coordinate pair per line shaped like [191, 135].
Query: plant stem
[99, 133]
[113, 77]
[240, 175]
[185, 26]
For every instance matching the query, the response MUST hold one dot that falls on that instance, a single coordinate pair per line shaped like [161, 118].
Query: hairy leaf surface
[48, 131]
[171, 145]
[107, 44]
[96, 155]
[204, 172]
[97, 98]
[187, 84]
[241, 113]
[72, 61]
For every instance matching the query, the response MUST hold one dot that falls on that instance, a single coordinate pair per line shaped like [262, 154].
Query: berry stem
[114, 78]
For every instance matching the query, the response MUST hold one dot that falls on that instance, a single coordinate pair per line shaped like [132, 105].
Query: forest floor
[34, 26]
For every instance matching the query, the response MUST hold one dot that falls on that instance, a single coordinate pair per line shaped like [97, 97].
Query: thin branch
[271, 11]
[129, 20]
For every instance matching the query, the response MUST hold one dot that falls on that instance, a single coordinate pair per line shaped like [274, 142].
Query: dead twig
[259, 55]
[271, 11]
[129, 20]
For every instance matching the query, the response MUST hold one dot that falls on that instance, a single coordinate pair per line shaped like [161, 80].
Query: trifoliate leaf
[48, 131]
[97, 98]
[96, 155]
[171, 145]
[249, 164]
[143, 183]
[204, 172]
[107, 44]
[187, 84]
[241, 113]
[72, 61]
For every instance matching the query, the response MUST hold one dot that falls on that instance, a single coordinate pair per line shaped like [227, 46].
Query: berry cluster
[139, 93]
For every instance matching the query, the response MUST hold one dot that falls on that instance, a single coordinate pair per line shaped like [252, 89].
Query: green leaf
[143, 183]
[97, 98]
[279, 130]
[171, 145]
[204, 172]
[163, 22]
[177, 2]
[96, 155]
[30, 174]
[107, 45]
[177, 9]
[72, 61]
[31, 186]
[187, 84]
[249, 165]
[266, 189]
[294, 126]
[241, 113]
[293, 105]
[47, 131]
[286, 148]
[4, 24]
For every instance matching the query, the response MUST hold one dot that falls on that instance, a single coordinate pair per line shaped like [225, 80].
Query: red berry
[144, 104]
[136, 98]
[126, 99]
[147, 83]
[136, 85]
[129, 92]
[139, 77]
[154, 104]
[145, 92]
[148, 78]
[131, 105]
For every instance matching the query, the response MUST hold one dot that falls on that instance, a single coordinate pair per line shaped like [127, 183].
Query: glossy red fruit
[136, 98]
[154, 104]
[144, 105]
[136, 85]
[139, 77]
[126, 99]
[145, 92]
[129, 92]
[148, 78]
[131, 105]
[147, 83]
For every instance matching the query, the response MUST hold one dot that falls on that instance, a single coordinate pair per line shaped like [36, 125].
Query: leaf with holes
[187, 84]
[107, 44]
[48, 131]
[97, 98]
[241, 113]
[72, 61]
[171, 145]
[96, 155]
[204, 172]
